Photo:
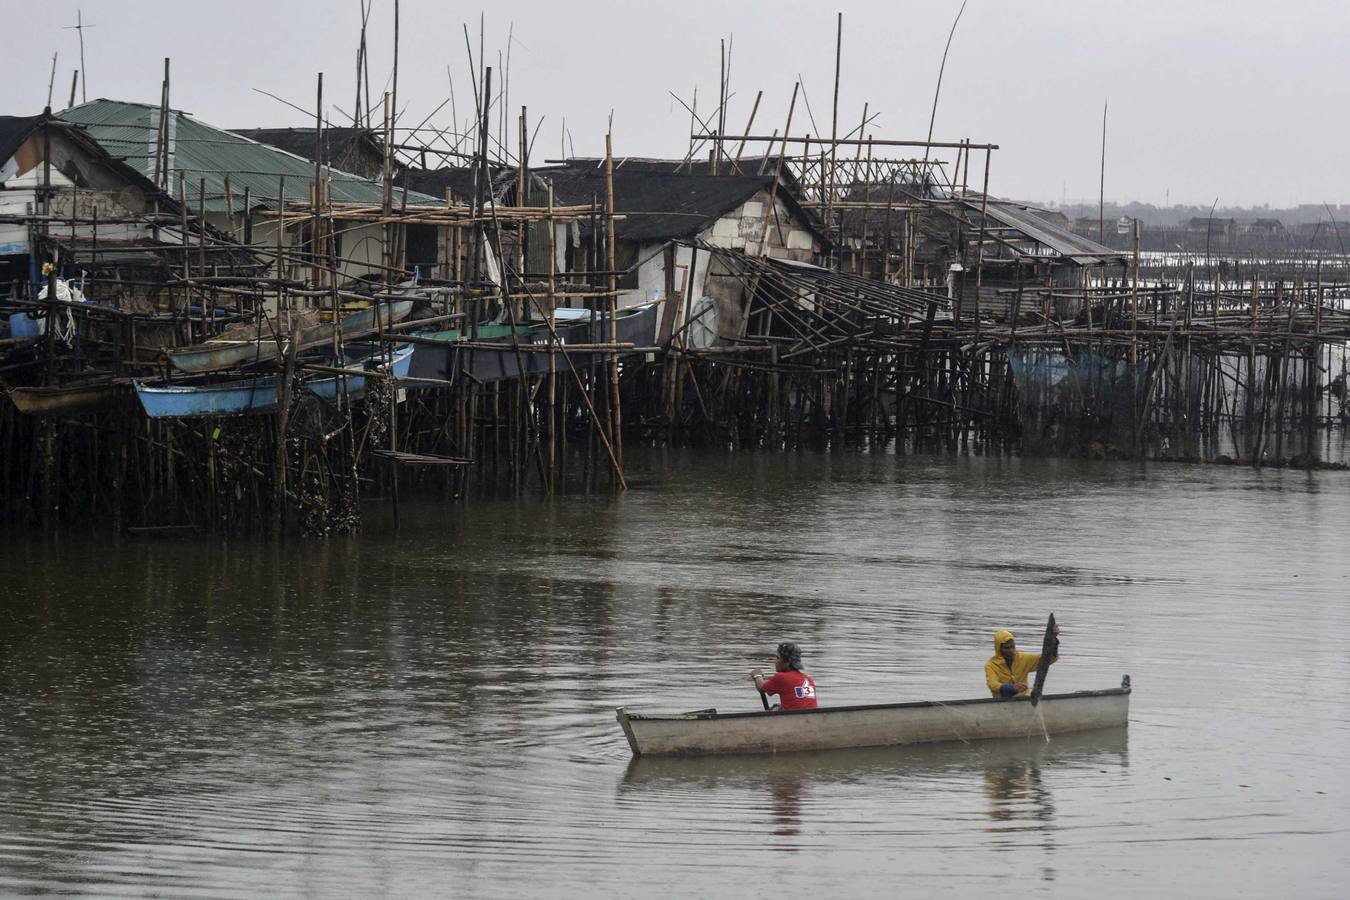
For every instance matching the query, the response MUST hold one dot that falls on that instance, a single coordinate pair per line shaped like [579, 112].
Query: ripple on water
[432, 712]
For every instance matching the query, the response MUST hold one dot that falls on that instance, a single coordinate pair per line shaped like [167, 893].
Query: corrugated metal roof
[201, 151]
[1062, 241]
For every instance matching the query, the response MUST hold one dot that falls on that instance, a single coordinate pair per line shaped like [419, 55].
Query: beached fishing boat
[839, 727]
[250, 396]
[237, 348]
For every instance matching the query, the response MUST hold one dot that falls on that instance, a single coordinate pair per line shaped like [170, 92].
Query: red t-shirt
[795, 689]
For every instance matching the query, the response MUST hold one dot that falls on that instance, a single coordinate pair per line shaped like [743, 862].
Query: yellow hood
[1000, 637]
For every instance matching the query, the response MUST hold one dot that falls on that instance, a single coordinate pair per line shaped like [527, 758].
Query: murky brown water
[432, 713]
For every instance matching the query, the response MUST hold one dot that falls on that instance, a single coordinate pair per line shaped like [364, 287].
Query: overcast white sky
[1243, 100]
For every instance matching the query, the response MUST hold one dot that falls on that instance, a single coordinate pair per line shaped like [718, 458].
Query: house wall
[715, 304]
[84, 188]
[361, 251]
[20, 202]
[360, 158]
[567, 242]
[652, 274]
[743, 229]
[740, 229]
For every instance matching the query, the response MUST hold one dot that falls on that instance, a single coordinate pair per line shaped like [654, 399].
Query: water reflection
[1105, 746]
[1017, 792]
[786, 805]
[1020, 800]
[1015, 777]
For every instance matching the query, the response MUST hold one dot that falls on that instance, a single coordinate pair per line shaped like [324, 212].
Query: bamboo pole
[1134, 301]
[616, 415]
[777, 175]
[834, 123]
[979, 258]
[549, 318]
[736, 163]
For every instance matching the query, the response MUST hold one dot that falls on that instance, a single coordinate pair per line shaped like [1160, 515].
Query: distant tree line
[1150, 214]
[1306, 229]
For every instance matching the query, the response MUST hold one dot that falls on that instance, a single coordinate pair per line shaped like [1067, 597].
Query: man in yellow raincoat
[1008, 672]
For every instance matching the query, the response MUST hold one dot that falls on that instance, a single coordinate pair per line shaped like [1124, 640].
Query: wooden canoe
[877, 725]
[65, 399]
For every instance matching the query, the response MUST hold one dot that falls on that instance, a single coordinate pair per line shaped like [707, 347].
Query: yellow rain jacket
[998, 673]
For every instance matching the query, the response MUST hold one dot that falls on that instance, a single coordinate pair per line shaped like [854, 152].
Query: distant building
[1326, 234]
[1263, 226]
[1214, 227]
[1087, 226]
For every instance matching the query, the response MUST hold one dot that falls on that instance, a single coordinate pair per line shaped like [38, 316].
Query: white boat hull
[834, 728]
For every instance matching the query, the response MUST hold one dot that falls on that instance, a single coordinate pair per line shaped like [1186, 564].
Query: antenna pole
[51, 82]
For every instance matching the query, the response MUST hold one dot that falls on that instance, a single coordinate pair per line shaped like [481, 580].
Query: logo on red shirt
[796, 689]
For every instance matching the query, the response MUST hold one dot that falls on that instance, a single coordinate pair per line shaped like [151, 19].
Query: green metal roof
[199, 151]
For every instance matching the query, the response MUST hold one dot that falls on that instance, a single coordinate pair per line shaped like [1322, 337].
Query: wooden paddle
[763, 697]
[1047, 657]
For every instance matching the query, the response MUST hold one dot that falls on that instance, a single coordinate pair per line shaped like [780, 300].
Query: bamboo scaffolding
[1172, 357]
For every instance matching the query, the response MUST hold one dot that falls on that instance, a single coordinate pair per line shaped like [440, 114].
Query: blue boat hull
[250, 396]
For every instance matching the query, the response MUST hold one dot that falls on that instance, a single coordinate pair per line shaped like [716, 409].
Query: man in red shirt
[794, 688]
